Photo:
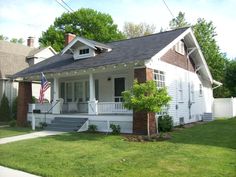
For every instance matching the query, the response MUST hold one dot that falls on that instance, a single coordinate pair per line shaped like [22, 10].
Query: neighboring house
[90, 77]
[16, 57]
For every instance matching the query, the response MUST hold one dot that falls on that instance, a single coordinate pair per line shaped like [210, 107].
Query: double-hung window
[159, 78]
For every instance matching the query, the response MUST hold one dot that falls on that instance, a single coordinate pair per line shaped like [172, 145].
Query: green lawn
[13, 131]
[204, 150]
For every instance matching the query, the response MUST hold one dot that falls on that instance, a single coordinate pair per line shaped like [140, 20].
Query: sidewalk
[29, 136]
[8, 172]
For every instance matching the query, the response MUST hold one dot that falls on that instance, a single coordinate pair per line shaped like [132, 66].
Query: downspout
[189, 89]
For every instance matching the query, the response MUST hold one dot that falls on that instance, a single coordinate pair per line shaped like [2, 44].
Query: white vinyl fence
[224, 107]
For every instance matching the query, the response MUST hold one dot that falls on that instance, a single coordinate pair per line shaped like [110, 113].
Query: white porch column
[92, 103]
[56, 109]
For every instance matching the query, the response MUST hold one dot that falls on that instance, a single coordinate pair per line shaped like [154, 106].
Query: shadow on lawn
[75, 136]
[220, 133]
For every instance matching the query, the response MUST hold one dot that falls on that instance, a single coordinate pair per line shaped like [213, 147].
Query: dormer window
[83, 51]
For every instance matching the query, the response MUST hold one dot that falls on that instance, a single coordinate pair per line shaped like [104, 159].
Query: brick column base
[140, 123]
[24, 98]
[140, 118]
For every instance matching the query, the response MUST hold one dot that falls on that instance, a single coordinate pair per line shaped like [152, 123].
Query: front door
[119, 87]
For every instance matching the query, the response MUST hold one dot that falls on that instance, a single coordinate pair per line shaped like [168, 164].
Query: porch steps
[207, 117]
[66, 124]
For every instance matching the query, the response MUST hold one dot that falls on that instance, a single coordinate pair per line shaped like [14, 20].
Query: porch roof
[123, 51]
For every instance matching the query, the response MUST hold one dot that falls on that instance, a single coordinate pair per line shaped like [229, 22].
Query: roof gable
[90, 43]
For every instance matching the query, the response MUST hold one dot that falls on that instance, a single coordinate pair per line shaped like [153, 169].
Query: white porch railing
[112, 108]
[42, 107]
[101, 108]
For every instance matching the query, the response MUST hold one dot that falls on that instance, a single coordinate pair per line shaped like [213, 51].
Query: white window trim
[160, 78]
[180, 91]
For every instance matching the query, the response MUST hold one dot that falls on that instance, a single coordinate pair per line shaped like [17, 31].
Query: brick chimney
[30, 41]
[68, 38]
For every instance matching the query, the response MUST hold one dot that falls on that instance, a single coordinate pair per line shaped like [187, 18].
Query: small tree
[5, 113]
[145, 97]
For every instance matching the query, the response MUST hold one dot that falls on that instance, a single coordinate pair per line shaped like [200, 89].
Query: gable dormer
[82, 48]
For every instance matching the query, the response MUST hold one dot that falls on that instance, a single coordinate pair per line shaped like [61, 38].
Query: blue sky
[23, 18]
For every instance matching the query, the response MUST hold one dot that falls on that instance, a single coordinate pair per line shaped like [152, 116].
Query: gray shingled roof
[124, 51]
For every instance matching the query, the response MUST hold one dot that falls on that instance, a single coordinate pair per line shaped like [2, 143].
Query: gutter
[216, 83]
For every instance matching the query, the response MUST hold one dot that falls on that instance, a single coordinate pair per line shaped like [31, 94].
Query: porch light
[109, 78]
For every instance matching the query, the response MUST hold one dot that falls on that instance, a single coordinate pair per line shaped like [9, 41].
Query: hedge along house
[89, 77]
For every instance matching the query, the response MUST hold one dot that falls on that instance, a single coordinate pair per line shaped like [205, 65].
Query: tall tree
[135, 30]
[87, 23]
[205, 34]
[179, 21]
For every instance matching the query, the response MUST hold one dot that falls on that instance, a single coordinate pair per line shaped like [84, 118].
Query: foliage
[132, 30]
[12, 123]
[92, 128]
[43, 124]
[14, 108]
[115, 129]
[205, 34]
[145, 97]
[230, 77]
[17, 41]
[5, 113]
[87, 23]
[179, 21]
[13, 40]
[34, 99]
[193, 148]
[4, 38]
[165, 123]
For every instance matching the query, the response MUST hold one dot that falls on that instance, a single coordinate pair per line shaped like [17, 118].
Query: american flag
[43, 88]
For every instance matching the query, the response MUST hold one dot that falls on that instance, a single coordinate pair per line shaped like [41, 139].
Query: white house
[90, 76]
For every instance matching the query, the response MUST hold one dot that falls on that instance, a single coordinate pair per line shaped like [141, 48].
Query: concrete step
[66, 124]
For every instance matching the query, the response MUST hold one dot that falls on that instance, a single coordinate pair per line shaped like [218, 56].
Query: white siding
[200, 104]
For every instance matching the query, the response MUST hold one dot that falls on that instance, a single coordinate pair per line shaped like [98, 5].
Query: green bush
[115, 129]
[14, 108]
[165, 123]
[12, 123]
[5, 113]
[92, 128]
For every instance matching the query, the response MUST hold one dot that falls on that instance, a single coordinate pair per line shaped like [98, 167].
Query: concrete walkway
[8, 172]
[29, 136]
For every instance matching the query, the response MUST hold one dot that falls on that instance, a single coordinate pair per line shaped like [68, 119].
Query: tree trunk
[148, 128]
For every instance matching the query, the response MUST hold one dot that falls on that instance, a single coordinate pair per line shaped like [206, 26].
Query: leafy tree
[5, 113]
[135, 30]
[4, 38]
[230, 77]
[87, 23]
[145, 97]
[17, 41]
[205, 34]
[179, 21]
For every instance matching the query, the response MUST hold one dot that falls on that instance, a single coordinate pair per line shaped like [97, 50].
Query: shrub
[92, 128]
[12, 123]
[115, 129]
[165, 123]
[14, 108]
[43, 124]
[5, 113]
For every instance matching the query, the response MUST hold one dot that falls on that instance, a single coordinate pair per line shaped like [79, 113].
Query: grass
[204, 150]
[13, 131]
